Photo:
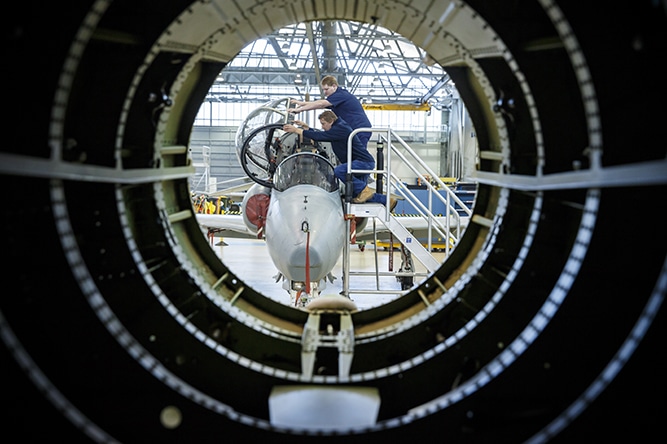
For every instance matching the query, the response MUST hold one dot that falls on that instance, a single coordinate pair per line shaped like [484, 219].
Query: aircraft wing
[244, 183]
[225, 225]
[415, 224]
[232, 225]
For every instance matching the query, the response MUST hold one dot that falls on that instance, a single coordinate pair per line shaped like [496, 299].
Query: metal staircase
[402, 234]
[455, 214]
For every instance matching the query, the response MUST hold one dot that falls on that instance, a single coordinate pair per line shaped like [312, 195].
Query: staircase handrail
[432, 174]
[426, 214]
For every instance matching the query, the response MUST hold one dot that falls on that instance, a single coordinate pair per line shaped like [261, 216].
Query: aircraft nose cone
[297, 261]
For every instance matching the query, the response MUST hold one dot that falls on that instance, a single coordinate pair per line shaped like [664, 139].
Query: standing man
[343, 103]
[337, 131]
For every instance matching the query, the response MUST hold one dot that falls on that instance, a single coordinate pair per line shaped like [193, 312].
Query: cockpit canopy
[269, 113]
[262, 145]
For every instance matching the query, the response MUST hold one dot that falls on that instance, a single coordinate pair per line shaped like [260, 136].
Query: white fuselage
[305, 215]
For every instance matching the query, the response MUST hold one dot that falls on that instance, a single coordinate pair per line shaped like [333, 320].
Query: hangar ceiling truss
[375, 64]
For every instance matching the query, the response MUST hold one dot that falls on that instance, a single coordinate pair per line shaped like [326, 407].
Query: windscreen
[305, 168]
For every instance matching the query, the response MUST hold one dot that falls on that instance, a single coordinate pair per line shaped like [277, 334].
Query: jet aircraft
[295, 204]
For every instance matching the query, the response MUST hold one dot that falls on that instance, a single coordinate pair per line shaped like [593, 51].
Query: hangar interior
[400, 88]
[397, 83]
[545, 324]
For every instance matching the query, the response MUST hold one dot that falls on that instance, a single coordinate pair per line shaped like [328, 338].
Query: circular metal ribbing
[132, 328]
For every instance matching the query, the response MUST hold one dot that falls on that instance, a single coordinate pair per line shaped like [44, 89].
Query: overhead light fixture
[292, 65]
[285, 46]
[370, 91]
[387, 47]
[298, 79]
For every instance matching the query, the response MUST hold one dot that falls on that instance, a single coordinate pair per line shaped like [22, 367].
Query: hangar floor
[250, 261]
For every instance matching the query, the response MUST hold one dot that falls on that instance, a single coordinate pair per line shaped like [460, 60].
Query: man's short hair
[328, 116]
[329, 81]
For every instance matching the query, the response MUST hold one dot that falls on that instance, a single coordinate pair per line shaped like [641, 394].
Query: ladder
[404, 236]
[381, 213]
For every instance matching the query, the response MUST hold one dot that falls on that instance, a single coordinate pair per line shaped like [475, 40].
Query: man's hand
[292, 129]
[299, 103]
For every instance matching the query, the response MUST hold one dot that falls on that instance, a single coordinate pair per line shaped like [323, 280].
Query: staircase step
[379, 211]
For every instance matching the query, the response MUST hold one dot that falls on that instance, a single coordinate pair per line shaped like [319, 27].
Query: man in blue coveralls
[347, 107]
[337, 131]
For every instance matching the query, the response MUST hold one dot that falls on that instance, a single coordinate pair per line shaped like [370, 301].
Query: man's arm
[307, 106]
[301, 124]
[293, 129]
[332, 135]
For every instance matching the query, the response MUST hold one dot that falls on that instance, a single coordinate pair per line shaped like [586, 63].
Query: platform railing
[434, 223]
[425, 211]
